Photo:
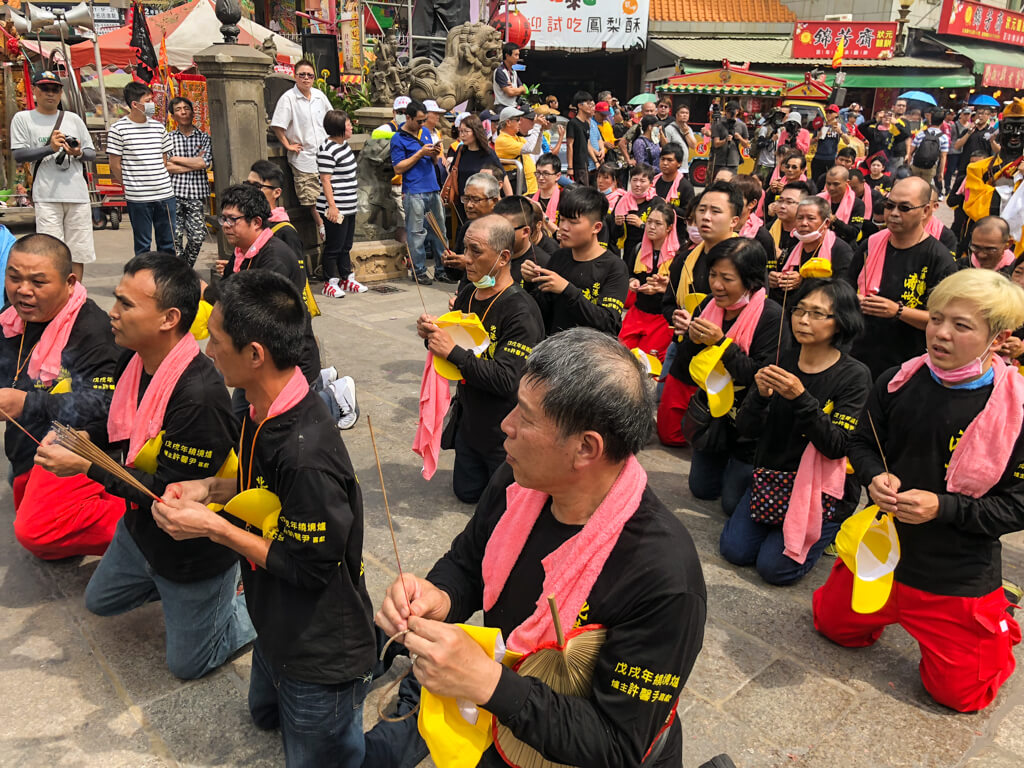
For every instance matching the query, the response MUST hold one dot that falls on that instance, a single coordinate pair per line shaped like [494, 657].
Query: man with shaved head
[990, 246]
[487, 390]
[847, 209]
[894, 271]
[57, 359]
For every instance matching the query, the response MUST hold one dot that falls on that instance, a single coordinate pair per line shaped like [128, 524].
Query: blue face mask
[487, 281]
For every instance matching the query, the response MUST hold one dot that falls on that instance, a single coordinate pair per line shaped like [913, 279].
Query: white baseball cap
[508, 113]
[401, 103]
[432, 106]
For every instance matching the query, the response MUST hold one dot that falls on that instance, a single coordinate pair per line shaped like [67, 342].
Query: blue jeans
[320, 724]
[155, 216]
[205, 621]
[747, 542]
[398, 745]
[416, 207]
[718, 474]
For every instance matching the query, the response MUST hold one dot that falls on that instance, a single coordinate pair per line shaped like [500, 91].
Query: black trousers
[473, 469]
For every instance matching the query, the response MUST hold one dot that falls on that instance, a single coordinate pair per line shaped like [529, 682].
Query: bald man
[847, 209]
[990, 246]
[894, 271]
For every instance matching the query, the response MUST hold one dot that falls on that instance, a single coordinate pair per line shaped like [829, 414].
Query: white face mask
[149, 108]
[810, 237]
[694, 233]
[487, 281]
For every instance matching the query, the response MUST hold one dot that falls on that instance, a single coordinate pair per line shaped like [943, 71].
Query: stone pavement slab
[80, 690]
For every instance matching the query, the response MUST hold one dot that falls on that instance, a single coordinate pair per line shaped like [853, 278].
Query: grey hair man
[479, 197]
[573, 514]
[487, 390]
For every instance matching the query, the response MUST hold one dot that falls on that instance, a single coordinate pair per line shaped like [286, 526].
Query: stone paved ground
[78, 690]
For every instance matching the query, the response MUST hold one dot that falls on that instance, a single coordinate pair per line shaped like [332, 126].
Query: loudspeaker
[79, 16]
[323, 51]
[838, 96]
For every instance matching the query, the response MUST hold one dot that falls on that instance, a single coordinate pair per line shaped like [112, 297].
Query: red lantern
[519, 31]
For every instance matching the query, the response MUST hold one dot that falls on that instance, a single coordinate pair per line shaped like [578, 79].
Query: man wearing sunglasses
[298, 123]
[894, 271]
[56, 151]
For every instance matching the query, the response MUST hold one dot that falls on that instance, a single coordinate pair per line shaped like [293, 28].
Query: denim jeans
[205, 621]
[398, 745]
[747, 542]
[718, 474]
[155, 216]
[320, 724]
[417, 231]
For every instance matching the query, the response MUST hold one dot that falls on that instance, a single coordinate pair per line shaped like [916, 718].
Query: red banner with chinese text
[981, 22]
[1001, 76]
[864, 40]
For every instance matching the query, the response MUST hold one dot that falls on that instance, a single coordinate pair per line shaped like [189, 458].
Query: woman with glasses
[801, 412]
[468, 156]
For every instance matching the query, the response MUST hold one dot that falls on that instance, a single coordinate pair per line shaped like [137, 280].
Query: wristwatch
[899, 310]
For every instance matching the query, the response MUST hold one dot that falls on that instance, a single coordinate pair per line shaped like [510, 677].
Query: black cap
[46, 77]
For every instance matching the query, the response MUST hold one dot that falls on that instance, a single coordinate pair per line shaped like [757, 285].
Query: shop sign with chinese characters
[1002, 76]
[587, 24]
[864, 40]
[981, 22]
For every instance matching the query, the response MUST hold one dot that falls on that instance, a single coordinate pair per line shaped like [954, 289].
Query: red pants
[675, 399]
[58, 517]
[646, 332]
[966, 642]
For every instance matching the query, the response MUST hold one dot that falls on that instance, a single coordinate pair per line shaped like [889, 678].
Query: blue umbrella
[919, 96]
[981, 100]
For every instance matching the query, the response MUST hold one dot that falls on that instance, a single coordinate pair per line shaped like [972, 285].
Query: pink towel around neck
[673, 190]
[279, 214]
[668, 251]
[759, 210]
[253, 249]
[870, 278]
[44, 364]
[752, 224]
[1004, 261]
[825, 252]
[845, 209]
[137, 421]
[801, 527]
[869, 202]
[292, 394]
[628, 203]
[571, 570]
[742, 331]
[980, 458]
[933, 227]
[435, 398]
[551, 212]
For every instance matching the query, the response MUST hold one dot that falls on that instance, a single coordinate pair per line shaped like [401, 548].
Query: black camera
[72, 142]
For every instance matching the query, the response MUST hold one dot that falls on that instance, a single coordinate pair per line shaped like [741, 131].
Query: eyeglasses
[305, 75]
[903, 207]
[977, 249]
[545, 173]
[473, 200]
[228, 221]
[814, 314]
[258, 184]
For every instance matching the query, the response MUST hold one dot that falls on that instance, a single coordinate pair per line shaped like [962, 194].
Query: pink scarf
[551, 212]
[845, 205]
[571, 570]
[292, 394]
[1005, 261]
[138, 422]
[760, 207]
[666, 254]
[870, 278]
[825, 252]
[933, 227]
[44, 364]
[278, 214]
[253, 249]
[628, 203]
[435, 397]
[803, 139]
[980, 458]
[673, 191]
[742, 331]
[751, 225]
[613, 198]
[869, 202]
[801, 527]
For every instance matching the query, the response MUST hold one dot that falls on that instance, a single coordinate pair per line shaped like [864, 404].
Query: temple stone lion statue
[472, 53]
[376, 213]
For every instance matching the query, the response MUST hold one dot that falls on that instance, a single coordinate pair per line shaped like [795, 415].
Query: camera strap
[56, 127]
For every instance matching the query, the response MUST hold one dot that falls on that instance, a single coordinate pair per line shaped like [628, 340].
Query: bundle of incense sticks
[82, 446]
[432, 221]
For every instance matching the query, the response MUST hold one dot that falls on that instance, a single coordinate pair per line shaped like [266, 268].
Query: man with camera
[728, 139]
[57, 143]
[766, 144]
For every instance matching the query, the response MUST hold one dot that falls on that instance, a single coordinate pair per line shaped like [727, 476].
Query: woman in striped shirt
[337, 204]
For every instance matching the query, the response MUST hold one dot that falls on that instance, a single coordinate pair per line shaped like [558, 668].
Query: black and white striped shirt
[142, 147]
[339, 161]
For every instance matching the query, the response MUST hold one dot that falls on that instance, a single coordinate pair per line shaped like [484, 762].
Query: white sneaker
[328, 376]
[344, 391]
[352, 285]
[332, 289]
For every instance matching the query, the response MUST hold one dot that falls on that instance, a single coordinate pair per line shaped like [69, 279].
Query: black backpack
[927, 153]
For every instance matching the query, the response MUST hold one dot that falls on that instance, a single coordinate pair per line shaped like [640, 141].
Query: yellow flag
[837, 57]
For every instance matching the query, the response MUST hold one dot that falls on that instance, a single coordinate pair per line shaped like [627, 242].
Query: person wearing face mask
[947, 466]
[487, 391]
[139, 148]
[814, 239]
[739, 316]
[781, 229]
[893, 272]
[644, 326]
[715, 217]
[608, 185]
[626, 228]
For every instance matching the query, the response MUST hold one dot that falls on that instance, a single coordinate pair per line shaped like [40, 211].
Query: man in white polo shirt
[56, 151]
[298, 123]
[139, 148]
